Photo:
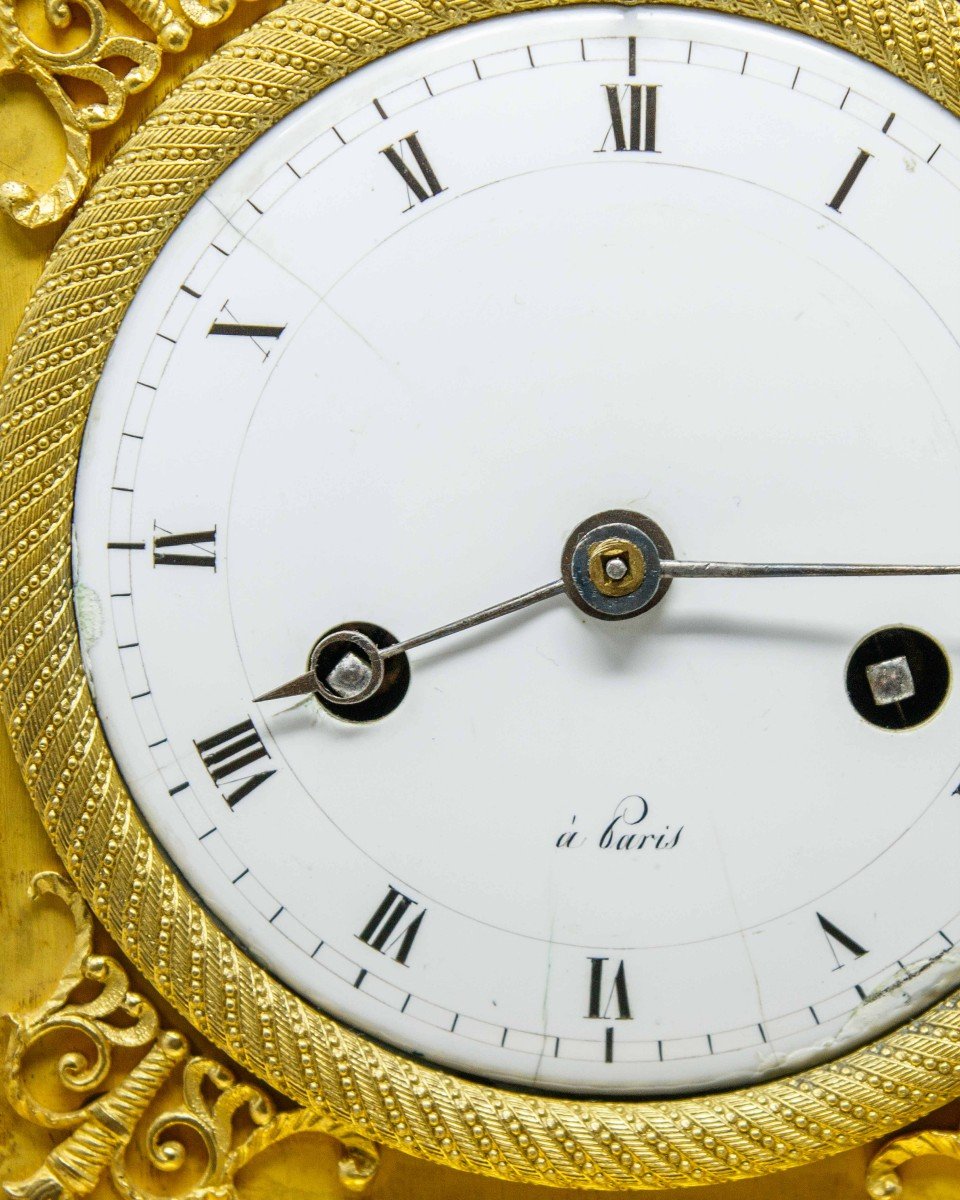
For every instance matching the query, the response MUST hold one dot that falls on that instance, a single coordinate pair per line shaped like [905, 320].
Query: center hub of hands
[611, 568]
[611, 564]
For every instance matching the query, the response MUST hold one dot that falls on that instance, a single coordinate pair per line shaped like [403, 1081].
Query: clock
[630, 332]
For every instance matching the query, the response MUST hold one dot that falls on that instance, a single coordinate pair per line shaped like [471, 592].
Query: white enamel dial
[510, 277]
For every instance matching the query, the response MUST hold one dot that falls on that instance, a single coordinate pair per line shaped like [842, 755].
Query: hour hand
[615, 565]
[303, 685]
[346, 667]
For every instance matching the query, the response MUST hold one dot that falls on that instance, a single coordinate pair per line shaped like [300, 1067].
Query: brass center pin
[616, 566]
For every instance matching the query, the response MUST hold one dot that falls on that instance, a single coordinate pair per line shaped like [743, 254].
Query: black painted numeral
[197, 549]
[633, 117]
[258, 334]
[836, 938]
[219, 329]
[424, 186]
[230, 752]
[851, 178]
[599, 1004]
[392, 928]
[603, 998]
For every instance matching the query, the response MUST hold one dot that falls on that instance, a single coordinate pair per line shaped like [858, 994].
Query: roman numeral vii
[393, 928]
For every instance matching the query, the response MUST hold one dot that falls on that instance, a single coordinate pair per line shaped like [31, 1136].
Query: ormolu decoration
[101, 44]
[282, 375]
[883, 1175]
[117, 1122]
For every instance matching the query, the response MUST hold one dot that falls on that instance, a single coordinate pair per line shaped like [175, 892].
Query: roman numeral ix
[424, 186]
[229, 752]
[185, 549]
[633, 117]
[392, 928]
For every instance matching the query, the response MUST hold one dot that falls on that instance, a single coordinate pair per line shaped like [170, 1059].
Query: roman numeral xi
[228, 754]
[418, 175]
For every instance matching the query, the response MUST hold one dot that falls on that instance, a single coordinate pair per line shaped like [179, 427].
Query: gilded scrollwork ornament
[124, 1120]
[247, 87]
[883, 1174]
[91, 61]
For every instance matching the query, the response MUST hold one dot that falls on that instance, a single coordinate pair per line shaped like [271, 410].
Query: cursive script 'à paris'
[629, 828]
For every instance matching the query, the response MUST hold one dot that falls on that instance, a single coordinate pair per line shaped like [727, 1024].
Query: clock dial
[549, 268]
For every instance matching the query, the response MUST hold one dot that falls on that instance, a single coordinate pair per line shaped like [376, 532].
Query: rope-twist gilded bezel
[56, 361]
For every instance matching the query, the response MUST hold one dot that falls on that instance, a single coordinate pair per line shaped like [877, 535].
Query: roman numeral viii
[424, 185]
[603, 997]
[228, 753]
[633, 117]
[393, 928]
[197, 549]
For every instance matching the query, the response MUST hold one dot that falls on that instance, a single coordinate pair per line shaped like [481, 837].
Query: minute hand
[680, 569]
[676, 569]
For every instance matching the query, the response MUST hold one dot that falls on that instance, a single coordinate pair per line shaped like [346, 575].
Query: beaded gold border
[57, 357]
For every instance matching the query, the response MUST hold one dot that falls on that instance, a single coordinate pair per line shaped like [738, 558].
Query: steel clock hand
[674, 569]
[353, 640]
[612, 568]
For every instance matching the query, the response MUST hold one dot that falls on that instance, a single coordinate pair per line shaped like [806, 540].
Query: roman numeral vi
[599, 1006]
[602, 999]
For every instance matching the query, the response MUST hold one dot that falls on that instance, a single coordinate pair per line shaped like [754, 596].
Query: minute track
[449, 829]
